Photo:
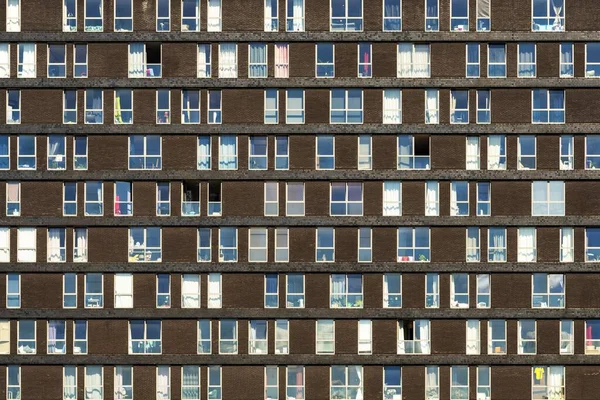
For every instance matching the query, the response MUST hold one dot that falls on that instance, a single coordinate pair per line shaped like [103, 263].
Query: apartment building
[299, 200]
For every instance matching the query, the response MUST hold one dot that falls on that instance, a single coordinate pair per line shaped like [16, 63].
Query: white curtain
[214, 290]
[80, 245]
[557, 6]
[566, 244]
[525, 55]
[28, 61]
[258, 57]
[214, 16]
[204, 61]
[204, 154]
[70, 382]
[4, 60]
[526, 245]
[54, 245]
[163, 378]
[364, 336]
[228, 152]
[93, 383]
[359, 390]
[483, 8]
[282, 62]
[13, 20]
[555, 382]
[268, 15]
[431, 200]
[26, 244]
[499, 245]
[472, 246]
[401, 346]
[298, 15]
[392, 201]
[4, 245]
[227, 60]
[494, 151]
[421, 61]
[472, 153]
[431, 105]
[392, 106]
[123, 290]
[423, 335]
[119, 390]
[431, 383]
[472, 336]
[137, 60]
[566, 153]
[405, 60]
[453, 198]
[190, 290]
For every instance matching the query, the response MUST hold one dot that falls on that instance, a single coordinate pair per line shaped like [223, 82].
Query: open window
[145, 60]
[190, 198]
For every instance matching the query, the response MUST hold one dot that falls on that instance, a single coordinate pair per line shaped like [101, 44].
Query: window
[57, 152]
[526, 245]
[346, 106]
[145, 60]
[484, 291]
[57, 61]
[346, 291]
[80, 245]
[271, 15]
[526, 152]
[93, 16]
[459, 290]
[496, 244]
[392, 15]
[163, 382]
[527, 336]
[432, 107]
[13, 290]
[228, 60]
[204, 336]
[80, 61]
[325, 149]
[548, 106]
[69, 382]
[346, 381]
[392, 106]
[365, 245]
[145, 337]
[70, 199]
[413, 60]
[325, 60]
[163, 15]
[4, 60]
[163, 199]
[257, 156]
[69, 290]
[4, 152]
[414, 337]
[484, 107]
[432, 15]
[204, 152]
[228, 158]
[413, 152]
[325, 336]
[282, 153]
[271, 199]
[432, 291]
[459, 382]
[26, 244]
[214, 17]
[257, 60]
[282, 57]
[295, 199]
[484, 21]
[294, 383]
[459, 15]
[392, 198]
[346, 15]
[13, 382]
[26, 339]
[123, 382]
[214, 199]
[69, 107]
[567, 248]
[592, 335]
[94, 378]
[282, 336]
[145, 244]
[69, 15]
[57, 337]
[204, 245]
[548, 290]
[496, 336]
[271, 383]
[4, 245]
[123, 288]
[473, 156]
[163, 106]
[527, 60]
[13, 199]
[163, 291]
[567, 337]
[214, 107]
[123, 106]
[346, 199]
[567, 65]
[294, 106]
[459, 106]
[123, 16]
[190, 382]
[228, 337]
[123, 198]
[271, 291]
[94, 103]
[548, 382]
[204, 57]
[392, 290]
[497, 60]
[94, 290]
[365, 60]
[282, 245]
[472, 60]
[392, 382]
[548, 198]
[592, 152]
[94, 198]
[271, 106]
[496, 150]
[414, 244]
[228, 244]
[257, 244]
[325, 249]
[432, 382]
[473, 344]
[190, 291]
[548, 15]
[57, 245]
[80, 337]
[13, 106]
[145, 152]
[459, 198]
[26, 63]
[295, 291]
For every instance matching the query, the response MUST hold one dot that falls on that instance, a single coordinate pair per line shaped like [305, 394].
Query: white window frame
[282, 250]
[481, 292]
[159, 25]
[289, 202]
[520, 63]
[548, 110]
[325, 339]
[59, 64]
[118, 18]
[566, 69]
[472, 63]
[459, 28]
[496, 350]
[69, 21]
[567, 340]
[454, 293]
[234, 340]
[486, 203]
[91, 28]
[523, 342]
[204, 68]
[366, 67]
[455, 388]
[548, 202]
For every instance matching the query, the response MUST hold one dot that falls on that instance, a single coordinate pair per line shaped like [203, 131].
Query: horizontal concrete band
[301, 359]
[303, 175]
[192, 82]
[253, 36]
[312, 267]
[303, 129]
[304, 313]
[300, 221]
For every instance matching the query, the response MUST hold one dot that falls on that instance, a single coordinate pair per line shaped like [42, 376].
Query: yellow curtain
[118, 117]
